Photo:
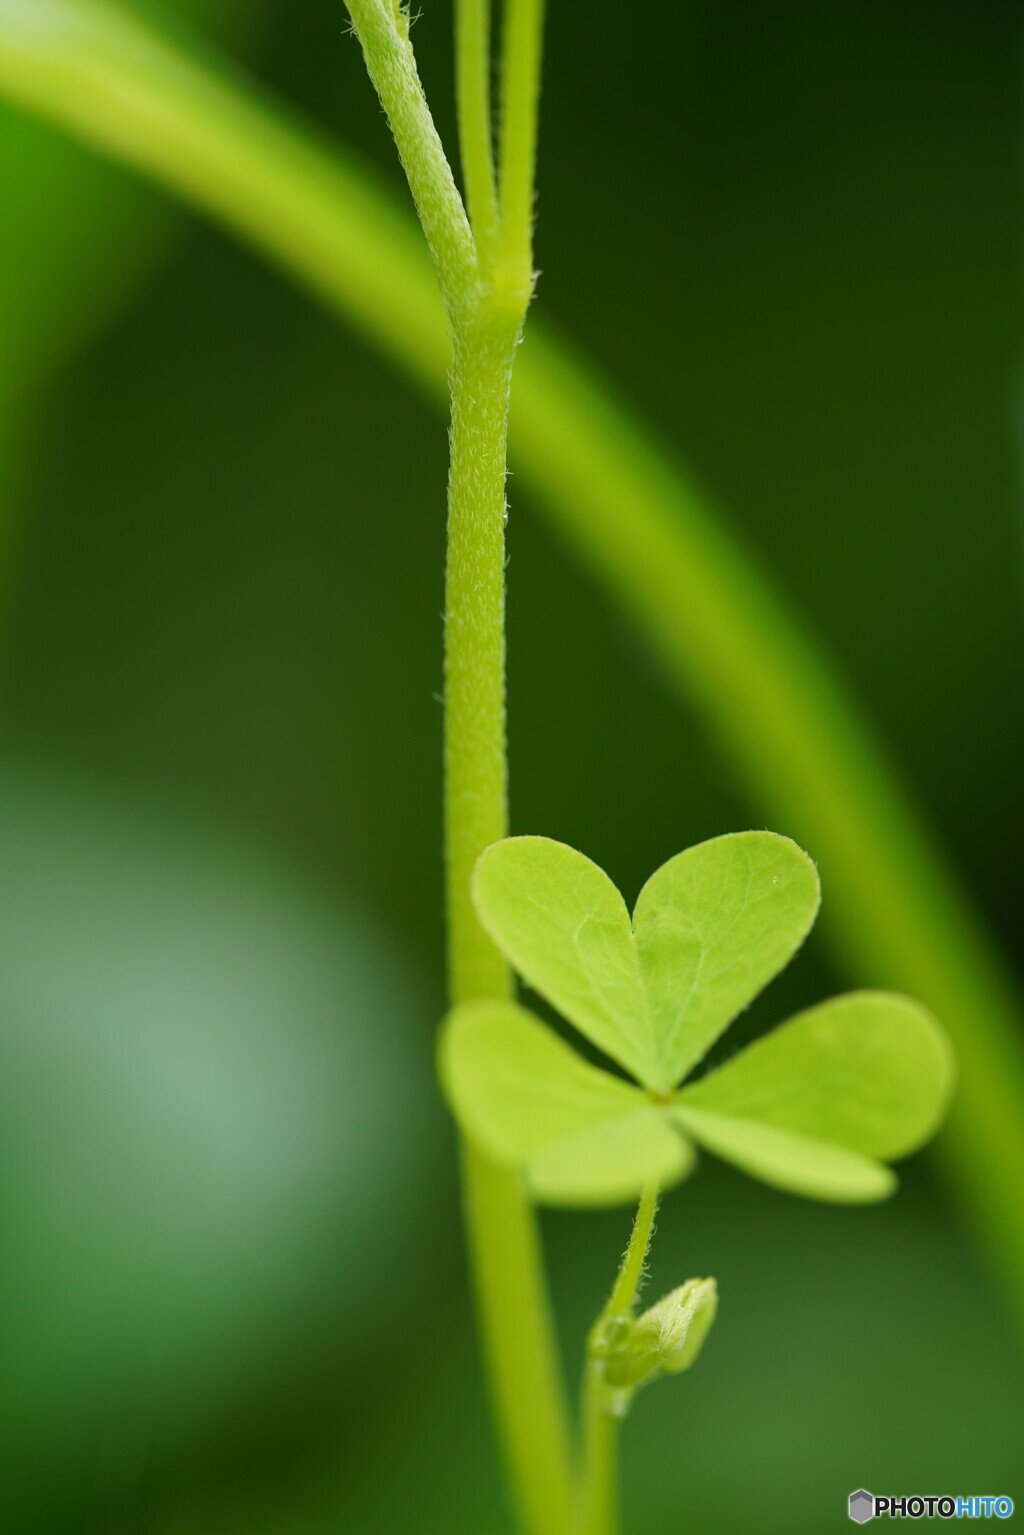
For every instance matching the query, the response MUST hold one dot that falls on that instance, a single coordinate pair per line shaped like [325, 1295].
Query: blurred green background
[231, 1280]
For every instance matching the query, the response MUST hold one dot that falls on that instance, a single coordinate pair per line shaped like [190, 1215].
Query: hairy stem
[514, 1311]
[631, 1270]
[474, 676]
[391, 64]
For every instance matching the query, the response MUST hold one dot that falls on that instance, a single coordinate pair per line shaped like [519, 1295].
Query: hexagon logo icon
[862, 1506]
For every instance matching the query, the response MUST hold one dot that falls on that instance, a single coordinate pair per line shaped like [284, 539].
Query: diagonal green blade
[561, 922]
[713, 926]
[795, 1163]
[871, 1072]
[580, 1135]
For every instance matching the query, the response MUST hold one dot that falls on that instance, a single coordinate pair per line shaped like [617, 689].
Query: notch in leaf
[815, 1107]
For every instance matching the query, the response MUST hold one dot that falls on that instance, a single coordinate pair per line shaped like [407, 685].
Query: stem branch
[476, 145]
[391, 64]
[520, 100]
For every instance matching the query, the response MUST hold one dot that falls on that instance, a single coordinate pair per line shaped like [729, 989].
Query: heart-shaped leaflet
[710, 930]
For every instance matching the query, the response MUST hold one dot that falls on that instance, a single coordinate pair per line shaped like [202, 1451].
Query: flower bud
[666, 1339]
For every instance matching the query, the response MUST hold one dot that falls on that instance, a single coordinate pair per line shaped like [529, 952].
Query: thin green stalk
[795, 741]
[631, 1270]
[512, 1299]
[391, 64]
[476, 787]
[520, 100]
[476, 141]
[516, 1334]
[505, 1250]
[601, 1422]
[602, 1407]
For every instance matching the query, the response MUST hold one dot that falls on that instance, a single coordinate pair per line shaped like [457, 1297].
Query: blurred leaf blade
[202, 131]
[77, 237]
[793, 738]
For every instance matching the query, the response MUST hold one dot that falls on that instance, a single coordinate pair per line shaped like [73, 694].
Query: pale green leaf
[516, 1087]
[870, 1071]
[563, 925]
[795, 1163]
[612, 1163]
[713, 926]
[580, 1135]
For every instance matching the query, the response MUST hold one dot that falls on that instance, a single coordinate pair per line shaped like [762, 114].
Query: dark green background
[790, 233]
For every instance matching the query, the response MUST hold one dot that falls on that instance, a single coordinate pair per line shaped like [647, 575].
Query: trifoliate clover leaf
[811, 1108]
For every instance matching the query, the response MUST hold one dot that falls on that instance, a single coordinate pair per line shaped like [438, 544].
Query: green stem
[603, 1407]
[518, 1344]
[795, 740]
[601, 1418]
[476, 811]
[486, 321]
[520, 99]
[476, 145]
[391, 64]
[518, 1338]
[631, 1270]
[514, 1311]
